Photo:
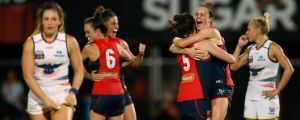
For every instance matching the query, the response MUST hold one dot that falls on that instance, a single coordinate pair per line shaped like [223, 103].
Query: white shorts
[261, 109]
[57, 93]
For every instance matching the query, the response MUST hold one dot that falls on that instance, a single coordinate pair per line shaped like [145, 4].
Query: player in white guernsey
[45, 61]
[263, 57]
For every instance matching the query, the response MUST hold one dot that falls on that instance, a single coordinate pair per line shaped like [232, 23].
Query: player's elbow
[231, 60]
[172, 48]
[233, 67]
[291, 70]
[178, 44]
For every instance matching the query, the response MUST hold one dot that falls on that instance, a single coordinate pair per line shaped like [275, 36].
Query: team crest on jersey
[39, 54]
[255, 71]
[59, 54]
[49, 68]
[250, 59]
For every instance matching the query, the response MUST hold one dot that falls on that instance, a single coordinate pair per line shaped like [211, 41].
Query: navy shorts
[195, 109]
[128, 99]
[221, 89]
[108, 105]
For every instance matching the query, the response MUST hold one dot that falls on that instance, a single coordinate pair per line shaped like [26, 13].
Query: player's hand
[142, 48]
[95, 76]
[175, 39]
[243, 40]
[51, 105]
[197, 53]
[70, 100]
[270, 93]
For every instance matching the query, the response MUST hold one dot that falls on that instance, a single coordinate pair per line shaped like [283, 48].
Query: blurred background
[153, 86]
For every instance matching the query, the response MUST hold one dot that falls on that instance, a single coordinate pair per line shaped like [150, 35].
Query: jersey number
[186, 63]
[110, 60]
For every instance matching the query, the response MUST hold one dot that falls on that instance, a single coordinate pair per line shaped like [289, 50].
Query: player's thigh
[96, 116]
[195, 109]
[267, 109]
[64, 113]
[44, 116]
[129, 113]
[250, 109]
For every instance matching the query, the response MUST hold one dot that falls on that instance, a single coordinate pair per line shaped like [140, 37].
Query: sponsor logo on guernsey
[269, 85]
[59, 54]
[187, 78]
[39, 54]
[261, 58]
[111, 75]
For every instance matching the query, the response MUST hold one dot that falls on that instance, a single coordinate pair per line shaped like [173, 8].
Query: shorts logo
[221, 92]
[219, 81]
[271, 110]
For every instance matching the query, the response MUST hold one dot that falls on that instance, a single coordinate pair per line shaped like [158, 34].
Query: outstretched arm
[138, 59]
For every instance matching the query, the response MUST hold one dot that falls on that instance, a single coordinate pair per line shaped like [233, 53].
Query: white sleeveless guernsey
[263, 72]
[51, 60]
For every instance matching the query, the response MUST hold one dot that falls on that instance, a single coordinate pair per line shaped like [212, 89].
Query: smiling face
[112, 26]
[50, 22]
[202, 17]
[90, 33]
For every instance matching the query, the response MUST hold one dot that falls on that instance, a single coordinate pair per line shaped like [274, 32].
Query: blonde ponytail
[262, 23]
[266, 20]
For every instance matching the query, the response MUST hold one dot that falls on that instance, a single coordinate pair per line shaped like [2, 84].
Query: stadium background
[146, 21]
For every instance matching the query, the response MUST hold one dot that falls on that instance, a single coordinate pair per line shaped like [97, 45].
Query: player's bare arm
[204, 34]
[28, 70]
[240, 59]
[218, 52]
[77, 65]
[277, 54]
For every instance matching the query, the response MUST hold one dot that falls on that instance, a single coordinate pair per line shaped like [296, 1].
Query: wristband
[74, 90]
